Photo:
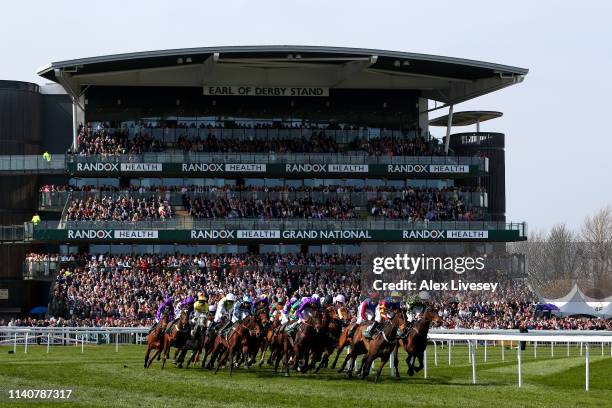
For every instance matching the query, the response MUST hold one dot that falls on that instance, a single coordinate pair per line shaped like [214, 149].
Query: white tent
[575, 305]
[606, 311]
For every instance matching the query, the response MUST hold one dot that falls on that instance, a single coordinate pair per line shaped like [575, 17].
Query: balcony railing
[270, 158]
[287, 224]
[56, 200]
[172, 134]
[16, 164]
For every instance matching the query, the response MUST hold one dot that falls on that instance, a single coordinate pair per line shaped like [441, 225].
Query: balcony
[56, 200]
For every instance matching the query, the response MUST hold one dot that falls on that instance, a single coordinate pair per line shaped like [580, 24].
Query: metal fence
[350, 157]
[587, 341]
[288, 224]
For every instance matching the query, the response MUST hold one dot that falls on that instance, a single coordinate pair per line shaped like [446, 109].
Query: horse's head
[399, 321]
[433, 316]
[313, 318]
[184, 319]
[262, 315]
[343, 313]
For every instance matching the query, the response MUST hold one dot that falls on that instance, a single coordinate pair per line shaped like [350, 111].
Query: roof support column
[449, 124]
[78, 118]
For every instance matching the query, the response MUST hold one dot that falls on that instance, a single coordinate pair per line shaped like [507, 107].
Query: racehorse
[379, 346]
[176, 335]
[235, 343]
[155, 340]
[416, 342]
[330, 333]
[270, 340]
[300, 345]
[195, 342]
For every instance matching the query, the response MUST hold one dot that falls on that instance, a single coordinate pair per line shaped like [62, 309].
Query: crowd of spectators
[112, 142]
[387, 146]
[125, 290]
[104, 140]
[318, 142]
[221, 207]
[120, 208]
[425, 205]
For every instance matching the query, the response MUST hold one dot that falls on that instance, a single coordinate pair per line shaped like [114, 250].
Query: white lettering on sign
[248, 90]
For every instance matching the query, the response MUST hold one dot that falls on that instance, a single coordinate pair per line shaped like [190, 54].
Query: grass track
[100, 377]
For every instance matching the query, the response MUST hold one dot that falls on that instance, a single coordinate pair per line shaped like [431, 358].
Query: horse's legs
[410, 362]
[324, 362]
[420, 367]
[366, 363]
[382, 364]
[396, 361]
[155, 355]
[286, 352]
[222, 360]
[146, 360]
[339, 350]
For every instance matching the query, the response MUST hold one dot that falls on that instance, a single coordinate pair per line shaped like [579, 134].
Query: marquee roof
[445, 79]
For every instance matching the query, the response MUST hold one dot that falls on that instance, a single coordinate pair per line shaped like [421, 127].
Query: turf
[101, 377]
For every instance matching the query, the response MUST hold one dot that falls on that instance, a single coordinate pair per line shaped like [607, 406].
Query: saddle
[291, 328]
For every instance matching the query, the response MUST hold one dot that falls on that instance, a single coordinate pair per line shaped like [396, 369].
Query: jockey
[395, 301]
[286, 313]
[223, 311]
[165, 308]
[415, 305]
[186, 304]
[200, 312]
[262, 302]
[308, 302]
[339, 302]
[242, 309]
[313, 302]
[384, 312]
[367, 308]
[200, 307]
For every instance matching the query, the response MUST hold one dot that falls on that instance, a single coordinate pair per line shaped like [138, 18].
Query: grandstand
[284, 157]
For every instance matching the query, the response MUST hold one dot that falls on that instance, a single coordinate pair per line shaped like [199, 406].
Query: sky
[558, 144]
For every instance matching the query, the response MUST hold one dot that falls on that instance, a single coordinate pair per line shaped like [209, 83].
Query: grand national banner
[249, 90]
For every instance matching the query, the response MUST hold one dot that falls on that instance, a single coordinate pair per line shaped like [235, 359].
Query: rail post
[586, 352]
[435, 353]
[568, 349]
[520, 365]
[552, 348]
[116, 342]
[535, 349]
[503, 351]
[15, 344]
[48, 341]
[473, 363]
[449, 352]
[425, 363]
[25, 350]
[485, 351]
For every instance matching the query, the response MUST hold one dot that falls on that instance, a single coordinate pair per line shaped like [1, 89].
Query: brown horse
[330, 333]
[176, 335]
[271, 341]
[345, 340]
[416, 342]
[235, 343]
[380, 346]
[300, 345]
[155, 341]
